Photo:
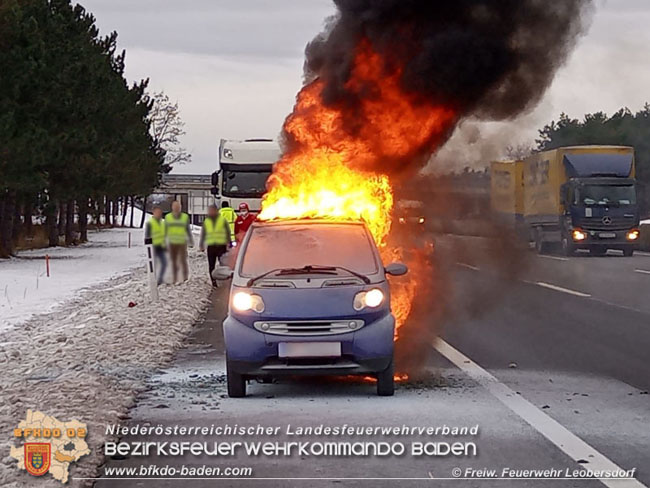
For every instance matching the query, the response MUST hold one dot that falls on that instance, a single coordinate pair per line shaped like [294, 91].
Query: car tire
[386, 381]
[628, 253]
[236, 382]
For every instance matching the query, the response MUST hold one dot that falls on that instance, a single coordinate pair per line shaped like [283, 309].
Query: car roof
[317, 221]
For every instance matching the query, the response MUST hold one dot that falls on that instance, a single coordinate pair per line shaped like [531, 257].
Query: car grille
[308, 328]
[617, 223]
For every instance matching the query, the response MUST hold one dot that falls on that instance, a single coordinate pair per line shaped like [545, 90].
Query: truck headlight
[421, 220]
[227, 153]
[243, 301]
[402, 220]
[578, 235]
[632, 235]
[371, 299]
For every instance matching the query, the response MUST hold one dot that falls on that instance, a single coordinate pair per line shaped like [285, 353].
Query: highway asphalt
[547, 355]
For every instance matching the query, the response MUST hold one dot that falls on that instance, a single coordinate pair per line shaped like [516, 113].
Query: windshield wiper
[305, 270]
[310, 268]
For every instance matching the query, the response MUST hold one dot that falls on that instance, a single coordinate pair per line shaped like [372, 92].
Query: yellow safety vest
[230, 215]
[215, 231]
[157, 232]
[177, 228]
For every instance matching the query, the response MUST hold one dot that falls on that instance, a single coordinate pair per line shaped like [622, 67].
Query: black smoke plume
[488, 58]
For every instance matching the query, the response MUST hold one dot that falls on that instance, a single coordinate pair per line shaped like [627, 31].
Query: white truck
[244, 167]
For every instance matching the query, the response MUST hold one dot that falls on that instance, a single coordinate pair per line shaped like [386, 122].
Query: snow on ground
[89, 357]
[26, 290]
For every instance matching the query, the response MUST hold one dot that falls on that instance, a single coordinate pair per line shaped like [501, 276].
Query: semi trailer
[577, 197]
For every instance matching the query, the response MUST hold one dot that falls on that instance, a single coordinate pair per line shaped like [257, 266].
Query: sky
[234, 67]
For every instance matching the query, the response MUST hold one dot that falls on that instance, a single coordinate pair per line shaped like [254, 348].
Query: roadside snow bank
[87, 359]
[25, 289]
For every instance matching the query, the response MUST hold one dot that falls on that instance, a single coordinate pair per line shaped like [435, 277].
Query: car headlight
[243, 301]
[578, 235]
[371, 299]
[402, 220]
[421, 220]
[632, 235]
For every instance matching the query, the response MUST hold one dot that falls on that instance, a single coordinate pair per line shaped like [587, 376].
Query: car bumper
[364, 351]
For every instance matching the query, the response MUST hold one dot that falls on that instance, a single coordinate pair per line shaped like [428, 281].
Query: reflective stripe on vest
[157, 231]
[229, 214]
[177, 228]
[215, 231]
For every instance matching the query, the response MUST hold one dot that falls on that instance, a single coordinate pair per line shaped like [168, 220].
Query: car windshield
[607, 195]
[244, 184]
[298, 245]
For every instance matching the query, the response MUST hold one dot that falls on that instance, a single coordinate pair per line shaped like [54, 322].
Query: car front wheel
[236, 382]
[386, 381]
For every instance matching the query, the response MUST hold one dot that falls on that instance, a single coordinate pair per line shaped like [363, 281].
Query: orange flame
[333, 168]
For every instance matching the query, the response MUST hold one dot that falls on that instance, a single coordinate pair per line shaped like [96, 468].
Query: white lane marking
[559, 288]
[555, 432]
[557, 258]
[644, 271]
[469, 266]
[641, 253]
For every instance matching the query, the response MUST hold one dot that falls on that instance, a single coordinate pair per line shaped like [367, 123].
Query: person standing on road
[215, 237]
[179, 236]
[154, 234]
[244, 220]
[230, 216]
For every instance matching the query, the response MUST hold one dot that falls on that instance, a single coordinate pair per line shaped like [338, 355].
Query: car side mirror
[222, 273]
[396, 269]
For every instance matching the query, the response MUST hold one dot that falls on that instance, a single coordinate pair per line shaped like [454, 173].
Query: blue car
[309, 297]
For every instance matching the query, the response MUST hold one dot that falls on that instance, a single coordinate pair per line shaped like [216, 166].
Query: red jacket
[243, 223]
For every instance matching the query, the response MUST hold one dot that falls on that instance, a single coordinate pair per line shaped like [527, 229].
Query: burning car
[309, 297]
[410, 213]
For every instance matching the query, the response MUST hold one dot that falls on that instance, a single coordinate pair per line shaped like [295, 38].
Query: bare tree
[520, 151]
[167, 128]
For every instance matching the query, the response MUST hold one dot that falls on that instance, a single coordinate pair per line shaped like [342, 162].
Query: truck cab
[244, 168]
[600, 213]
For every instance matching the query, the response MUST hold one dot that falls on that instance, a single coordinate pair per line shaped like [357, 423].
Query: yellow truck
[507, 190]
[577, 197]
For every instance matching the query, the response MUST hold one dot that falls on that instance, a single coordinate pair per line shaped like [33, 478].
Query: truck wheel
[236, 382]
[628, 253]
[568, 249]
[386, 381]
[540, 246]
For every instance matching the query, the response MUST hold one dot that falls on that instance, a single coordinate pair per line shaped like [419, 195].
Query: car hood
[311, 304]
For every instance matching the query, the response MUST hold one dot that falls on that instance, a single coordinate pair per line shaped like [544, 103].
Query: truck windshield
[244, 183]
[606, 195]
[298, 245]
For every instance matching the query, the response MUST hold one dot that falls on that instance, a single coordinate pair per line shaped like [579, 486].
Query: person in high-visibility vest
[154, 234]
[215, 237]
[229, 214]
[179, 236]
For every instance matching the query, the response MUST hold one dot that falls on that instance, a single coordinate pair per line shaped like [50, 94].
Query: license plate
[309, 349]
[607, 235]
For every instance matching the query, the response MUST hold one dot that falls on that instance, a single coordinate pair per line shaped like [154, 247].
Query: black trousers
[215, 252]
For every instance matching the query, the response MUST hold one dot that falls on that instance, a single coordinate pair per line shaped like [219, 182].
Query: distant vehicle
[244, 167]
[410, 213]
[578, 197]
[319, 304]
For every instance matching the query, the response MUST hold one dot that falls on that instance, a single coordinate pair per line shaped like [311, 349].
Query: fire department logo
[37, 458]
[45, 445]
